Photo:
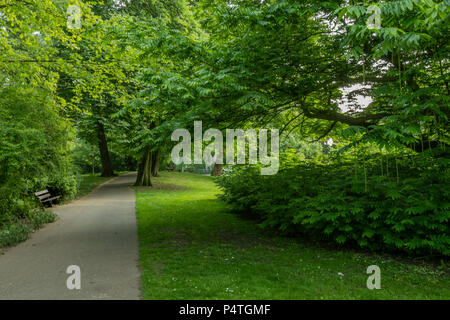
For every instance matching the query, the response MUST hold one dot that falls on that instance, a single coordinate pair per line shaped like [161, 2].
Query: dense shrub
[34, 152]
[360, 204]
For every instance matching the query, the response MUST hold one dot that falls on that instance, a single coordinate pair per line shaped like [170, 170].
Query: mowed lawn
[191, 247]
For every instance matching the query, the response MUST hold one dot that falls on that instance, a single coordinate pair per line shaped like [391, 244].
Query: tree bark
[144, 171]
[140, 172]
[107, 170]
[155, 163]
[217, 170]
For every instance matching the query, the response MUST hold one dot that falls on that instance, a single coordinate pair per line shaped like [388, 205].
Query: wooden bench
[46, 198]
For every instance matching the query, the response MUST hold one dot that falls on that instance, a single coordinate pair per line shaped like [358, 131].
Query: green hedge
[35, 152]
[404, 208]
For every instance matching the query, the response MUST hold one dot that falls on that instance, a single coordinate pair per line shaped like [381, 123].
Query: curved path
[98, 233]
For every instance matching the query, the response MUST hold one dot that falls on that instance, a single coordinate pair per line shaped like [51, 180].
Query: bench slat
[50, 199]
[45, 196]
[39, 193]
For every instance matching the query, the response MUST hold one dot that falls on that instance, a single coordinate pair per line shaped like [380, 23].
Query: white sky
[360, 100]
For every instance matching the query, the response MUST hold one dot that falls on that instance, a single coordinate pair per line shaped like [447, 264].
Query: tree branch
[363, 120]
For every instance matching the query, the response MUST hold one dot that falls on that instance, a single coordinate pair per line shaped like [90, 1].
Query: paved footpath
[98, 233]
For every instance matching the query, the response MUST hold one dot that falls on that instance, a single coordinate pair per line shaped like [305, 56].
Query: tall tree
[147, 111]
[290, 61]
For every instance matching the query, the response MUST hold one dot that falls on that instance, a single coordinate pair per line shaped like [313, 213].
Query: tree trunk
[140, 172]
[155, 163]
[144, 171]
[107, 170]
[217, 170]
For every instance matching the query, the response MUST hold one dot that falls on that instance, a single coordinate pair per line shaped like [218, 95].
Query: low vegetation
[192, 247]
[380, 203]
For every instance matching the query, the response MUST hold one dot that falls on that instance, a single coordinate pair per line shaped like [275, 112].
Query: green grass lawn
[191, 247]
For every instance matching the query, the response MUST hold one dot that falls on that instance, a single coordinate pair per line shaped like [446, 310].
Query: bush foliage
[380, 204]
[34, 153]
[19, 231]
